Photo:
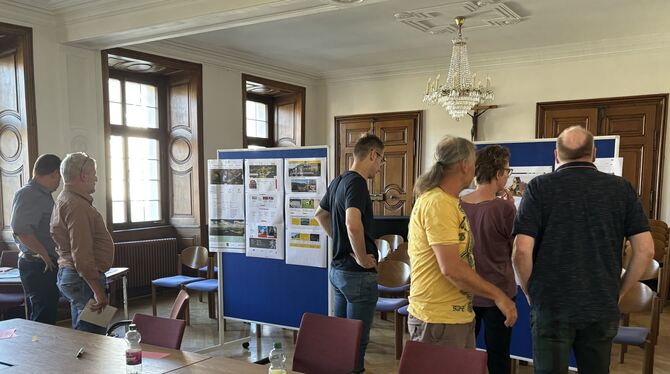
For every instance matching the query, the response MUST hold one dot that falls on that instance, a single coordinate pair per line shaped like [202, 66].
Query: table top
[54, 348]
[11, 277]
[224, 365]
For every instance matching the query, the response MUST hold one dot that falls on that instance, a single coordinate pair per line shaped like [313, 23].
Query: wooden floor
[380, 358]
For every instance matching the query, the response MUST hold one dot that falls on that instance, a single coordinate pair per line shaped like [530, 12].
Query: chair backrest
[327, 345]
[659, 250]
[163, 332]
[400, 254]
[423, 358]
[195, 257]
[393, 239]
[637, 299]
[393, 273]
[179, 306]
[658, 223]
[383, 247]
[9, 259]
[659, 234]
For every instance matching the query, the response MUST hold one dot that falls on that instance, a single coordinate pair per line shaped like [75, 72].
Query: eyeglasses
[508, 170]
[382, 157]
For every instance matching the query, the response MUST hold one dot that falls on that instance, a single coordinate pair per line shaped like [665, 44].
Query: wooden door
[391, 190]
[640, 123]
[18, 137]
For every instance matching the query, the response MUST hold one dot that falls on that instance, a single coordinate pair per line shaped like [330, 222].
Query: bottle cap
[277, 345]
[132, 327]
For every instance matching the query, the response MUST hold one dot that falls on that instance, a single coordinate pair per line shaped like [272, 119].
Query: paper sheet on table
[100, 319]
[149, 354]
[7, 334]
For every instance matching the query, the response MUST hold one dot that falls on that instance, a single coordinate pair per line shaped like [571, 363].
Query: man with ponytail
[441, 252]
[345, 214]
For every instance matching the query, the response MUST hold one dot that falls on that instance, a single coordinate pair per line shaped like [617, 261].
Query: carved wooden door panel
[640, 123]
[17, 119]
[391, 189]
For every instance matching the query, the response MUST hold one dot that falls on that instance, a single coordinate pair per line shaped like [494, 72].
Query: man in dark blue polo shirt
[345, 213]
[31, 214]
[570, 229]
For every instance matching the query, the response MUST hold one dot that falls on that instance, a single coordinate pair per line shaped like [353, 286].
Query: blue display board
[537, 152]
[269, 291]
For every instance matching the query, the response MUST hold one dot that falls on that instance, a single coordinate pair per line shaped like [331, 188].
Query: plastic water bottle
[134, 350]
[277, 360]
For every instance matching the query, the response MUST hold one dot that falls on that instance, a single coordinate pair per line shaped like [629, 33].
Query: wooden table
[55, 348]
[112, 275]
[223, 365]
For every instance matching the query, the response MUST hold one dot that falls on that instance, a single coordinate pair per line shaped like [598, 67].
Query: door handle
[377, 196]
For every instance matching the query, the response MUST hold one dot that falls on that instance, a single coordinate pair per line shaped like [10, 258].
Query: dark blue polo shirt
[579, 218]
[31, 214]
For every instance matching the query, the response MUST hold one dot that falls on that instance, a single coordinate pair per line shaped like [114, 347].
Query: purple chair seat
[385, 304]
[403, 310]
[207, 285]
[175, 281]
[631, 335]
[11, 299]
[401, 289]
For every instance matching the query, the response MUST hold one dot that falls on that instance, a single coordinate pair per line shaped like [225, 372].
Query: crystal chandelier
[459, 93]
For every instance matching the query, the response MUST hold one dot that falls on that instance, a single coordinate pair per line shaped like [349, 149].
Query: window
[273, 113]
[135, 152]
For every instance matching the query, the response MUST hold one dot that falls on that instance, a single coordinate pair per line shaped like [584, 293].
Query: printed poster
[306, 248]
[264, 201]
[226, 207]
[521, 176]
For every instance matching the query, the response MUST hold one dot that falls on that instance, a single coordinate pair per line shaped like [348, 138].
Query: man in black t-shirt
[345, 213]
[570, 229]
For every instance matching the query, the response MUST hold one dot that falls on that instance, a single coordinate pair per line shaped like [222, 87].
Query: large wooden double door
[639, 121]
[391, 190]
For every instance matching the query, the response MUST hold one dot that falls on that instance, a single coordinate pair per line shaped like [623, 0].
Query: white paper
[522, 175]
[610, 165]
[307, 248]
[305, 176]
[300, 212]
[264, 200]
[226, 205]
[99, 319]
[265, 241]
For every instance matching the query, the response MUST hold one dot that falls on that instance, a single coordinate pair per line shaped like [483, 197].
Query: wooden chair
[9, 259]
[400, 254]
[393, 275]
[383, 248]
[400, 321]
[662, 255]
[163, 332]
[180, 307]
[327, 345]
[191, 257]
[640, 298]
[11, 296]
[419, 358]
[658, 223]
[393, 239]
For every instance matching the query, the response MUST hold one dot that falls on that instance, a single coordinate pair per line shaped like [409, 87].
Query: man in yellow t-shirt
[440, 250]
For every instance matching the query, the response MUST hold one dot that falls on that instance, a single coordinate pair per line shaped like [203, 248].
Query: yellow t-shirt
[437, 219]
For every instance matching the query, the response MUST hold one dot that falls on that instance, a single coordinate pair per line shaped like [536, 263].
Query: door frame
[601, 104]
[24, 36]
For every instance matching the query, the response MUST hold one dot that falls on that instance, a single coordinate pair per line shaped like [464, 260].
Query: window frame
[268, 142]
[160, 134]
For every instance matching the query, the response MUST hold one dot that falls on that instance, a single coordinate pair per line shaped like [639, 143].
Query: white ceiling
[368, 35]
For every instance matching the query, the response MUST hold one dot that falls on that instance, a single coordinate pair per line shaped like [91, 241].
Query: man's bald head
[575, 144]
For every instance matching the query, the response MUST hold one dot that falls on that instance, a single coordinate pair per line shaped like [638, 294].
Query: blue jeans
[553, 339]
[356, 298]
[41, 290]
[76, 289]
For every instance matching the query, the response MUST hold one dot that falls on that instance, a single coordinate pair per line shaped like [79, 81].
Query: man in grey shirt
[31, 214]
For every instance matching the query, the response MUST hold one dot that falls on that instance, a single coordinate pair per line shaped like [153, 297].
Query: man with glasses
[84, 245]
[345, 213]
[31, 213]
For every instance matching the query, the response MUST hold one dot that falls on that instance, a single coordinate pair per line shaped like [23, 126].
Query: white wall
[517, 88]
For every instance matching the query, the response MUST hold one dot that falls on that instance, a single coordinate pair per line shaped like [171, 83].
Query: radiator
[147, 260]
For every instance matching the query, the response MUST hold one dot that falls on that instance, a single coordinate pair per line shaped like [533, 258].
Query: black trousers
[497, 337]
[41, 290]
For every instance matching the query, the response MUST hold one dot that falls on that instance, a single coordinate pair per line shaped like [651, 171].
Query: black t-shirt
[349, 190]
[579, 218]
